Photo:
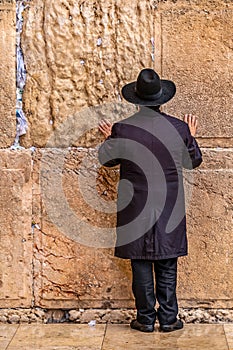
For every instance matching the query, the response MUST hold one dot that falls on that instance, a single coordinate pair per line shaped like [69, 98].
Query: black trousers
[146, 295]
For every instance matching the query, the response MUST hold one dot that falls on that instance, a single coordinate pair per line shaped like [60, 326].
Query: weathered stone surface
[222, 142]
[15, 229]
[81, 129]
[205, 277]
[189, 315]
[217, 159]
[7, 73]
[70, 271]
[80, 54]
[70, 276]
[14, 319]
[74, 315]
[197, 54]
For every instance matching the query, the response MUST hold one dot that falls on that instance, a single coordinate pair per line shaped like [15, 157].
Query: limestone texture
[7, 73]
[197, 55]
[57, 204]
[15, 229]
[205, 277]
[80, 54]
[71, 267]
[74, 264]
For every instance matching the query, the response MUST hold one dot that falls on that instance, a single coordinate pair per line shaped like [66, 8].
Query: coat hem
[157, 257]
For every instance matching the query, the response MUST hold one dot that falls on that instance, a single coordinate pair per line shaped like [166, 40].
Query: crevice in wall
[21, 121]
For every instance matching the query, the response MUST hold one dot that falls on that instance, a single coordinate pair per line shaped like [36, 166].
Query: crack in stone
[44, 31]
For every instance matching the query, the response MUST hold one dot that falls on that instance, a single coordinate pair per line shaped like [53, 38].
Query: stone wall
[57, 203]
[7, 73]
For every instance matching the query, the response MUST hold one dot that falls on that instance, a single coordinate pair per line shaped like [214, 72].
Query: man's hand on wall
[105, 127]
[192, 122]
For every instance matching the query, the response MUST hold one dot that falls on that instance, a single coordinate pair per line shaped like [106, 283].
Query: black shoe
[172, 327]
[141, 327]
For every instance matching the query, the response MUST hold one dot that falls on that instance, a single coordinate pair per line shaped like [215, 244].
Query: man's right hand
[192, 122]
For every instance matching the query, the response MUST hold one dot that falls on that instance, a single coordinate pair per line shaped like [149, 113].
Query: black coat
[151, 148]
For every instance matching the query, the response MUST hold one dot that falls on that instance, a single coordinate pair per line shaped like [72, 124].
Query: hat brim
[168, 91]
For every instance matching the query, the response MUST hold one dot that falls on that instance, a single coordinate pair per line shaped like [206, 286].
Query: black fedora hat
[149, 89]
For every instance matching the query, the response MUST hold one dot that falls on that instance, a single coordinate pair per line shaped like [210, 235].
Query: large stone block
[80, 54]
[7, 73]
[205, 278]
[72, 269]
[15, 229]
[197, 54]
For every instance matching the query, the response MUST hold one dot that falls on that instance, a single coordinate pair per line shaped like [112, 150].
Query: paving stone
[228, 328]
[202, 337]
[54, 337]
[7, 332]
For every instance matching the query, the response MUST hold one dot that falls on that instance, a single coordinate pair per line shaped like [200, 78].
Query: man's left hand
[105, 127]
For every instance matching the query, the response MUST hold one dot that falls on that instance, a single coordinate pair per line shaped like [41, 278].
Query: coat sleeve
[109, 150]
[192, 156]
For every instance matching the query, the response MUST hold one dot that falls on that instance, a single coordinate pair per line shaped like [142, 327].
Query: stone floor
[113, 337]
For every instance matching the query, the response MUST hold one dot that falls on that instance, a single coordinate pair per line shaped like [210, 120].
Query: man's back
[151, 148]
